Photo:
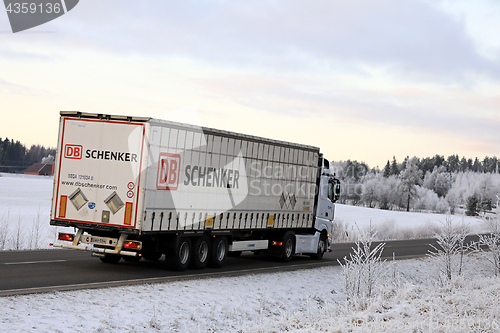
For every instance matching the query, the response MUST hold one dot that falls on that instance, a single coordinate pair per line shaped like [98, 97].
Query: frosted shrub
[492, 242]
[388, 230]
[451, 249]
[340, 231]
[362, 270]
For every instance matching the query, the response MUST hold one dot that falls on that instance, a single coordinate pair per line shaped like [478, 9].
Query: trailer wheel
[181, 256]
[110, 258]
[321, 248]
[218, 252]
[287, 249]
[201, 252]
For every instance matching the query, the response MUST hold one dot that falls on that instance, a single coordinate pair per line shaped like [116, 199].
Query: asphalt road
[24, 272]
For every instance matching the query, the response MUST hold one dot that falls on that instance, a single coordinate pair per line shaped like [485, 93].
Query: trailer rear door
[97, 178]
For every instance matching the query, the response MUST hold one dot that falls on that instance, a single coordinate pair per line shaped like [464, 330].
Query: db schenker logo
[74, 152]
[169, 166]
[26, 14]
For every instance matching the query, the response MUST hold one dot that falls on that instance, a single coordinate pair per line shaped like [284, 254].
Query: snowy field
[24, 212]
[398, 224]
[410, 297]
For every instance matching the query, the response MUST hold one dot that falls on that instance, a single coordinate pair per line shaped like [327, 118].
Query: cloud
[410, 39]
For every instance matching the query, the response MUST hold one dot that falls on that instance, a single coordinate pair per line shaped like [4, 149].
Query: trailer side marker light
[132, 245]
[128, 213]
[275, 243]
[66, 237]
[62, 206]
[303, 242]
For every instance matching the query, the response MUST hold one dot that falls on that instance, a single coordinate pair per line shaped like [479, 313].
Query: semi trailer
[139, 187]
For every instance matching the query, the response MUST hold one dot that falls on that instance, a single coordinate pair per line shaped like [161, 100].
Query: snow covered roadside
[411, 299]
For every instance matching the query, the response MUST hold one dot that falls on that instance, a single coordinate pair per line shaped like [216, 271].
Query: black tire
[218, 252]
[182, 252]
[131, 259]
[234, 254]
[288, 247]
[201, 252]
[321, 248]
[151, 255]
[111, 258]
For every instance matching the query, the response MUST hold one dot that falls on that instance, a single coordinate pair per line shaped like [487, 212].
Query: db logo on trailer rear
[73, 151]
[169, 166]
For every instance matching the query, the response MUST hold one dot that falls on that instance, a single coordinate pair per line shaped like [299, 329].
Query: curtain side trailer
[136, 187]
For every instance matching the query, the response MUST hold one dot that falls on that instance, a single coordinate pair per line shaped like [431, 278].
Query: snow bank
[398, 223]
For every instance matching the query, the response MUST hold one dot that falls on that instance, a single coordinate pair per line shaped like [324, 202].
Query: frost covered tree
[439, 180]
[48, 159]
[410, 177]
[369, 193]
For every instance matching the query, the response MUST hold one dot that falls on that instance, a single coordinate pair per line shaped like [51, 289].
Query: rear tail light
[66, 237]
[136, 245]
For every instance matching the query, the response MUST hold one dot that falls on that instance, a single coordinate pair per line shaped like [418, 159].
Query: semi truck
[139, 187]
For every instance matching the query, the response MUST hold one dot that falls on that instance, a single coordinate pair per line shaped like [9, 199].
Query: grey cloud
[412, 39]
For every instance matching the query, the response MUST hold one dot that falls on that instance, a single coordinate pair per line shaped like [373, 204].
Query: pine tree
[394, 167]
[387, 169]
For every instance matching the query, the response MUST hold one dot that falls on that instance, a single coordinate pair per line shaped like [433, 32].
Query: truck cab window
[331, 191]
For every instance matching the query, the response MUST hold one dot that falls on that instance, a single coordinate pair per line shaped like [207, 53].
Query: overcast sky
[364, 80]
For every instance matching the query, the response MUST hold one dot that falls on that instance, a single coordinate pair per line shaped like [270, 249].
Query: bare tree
[4, 230]
[410, 177]
[36, 232]
[18, 235]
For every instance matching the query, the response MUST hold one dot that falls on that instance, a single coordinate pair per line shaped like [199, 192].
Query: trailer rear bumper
[96, 249]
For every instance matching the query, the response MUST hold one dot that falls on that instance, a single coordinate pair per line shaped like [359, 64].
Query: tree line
[435, 184]
[15, 157]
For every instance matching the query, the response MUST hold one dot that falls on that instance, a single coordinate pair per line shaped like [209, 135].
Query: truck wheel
[151, 255]
[287, 250]
[182, 254]
[201, 252]
[219, 252]
[131, 259]
[110, 258]
[321, 248]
